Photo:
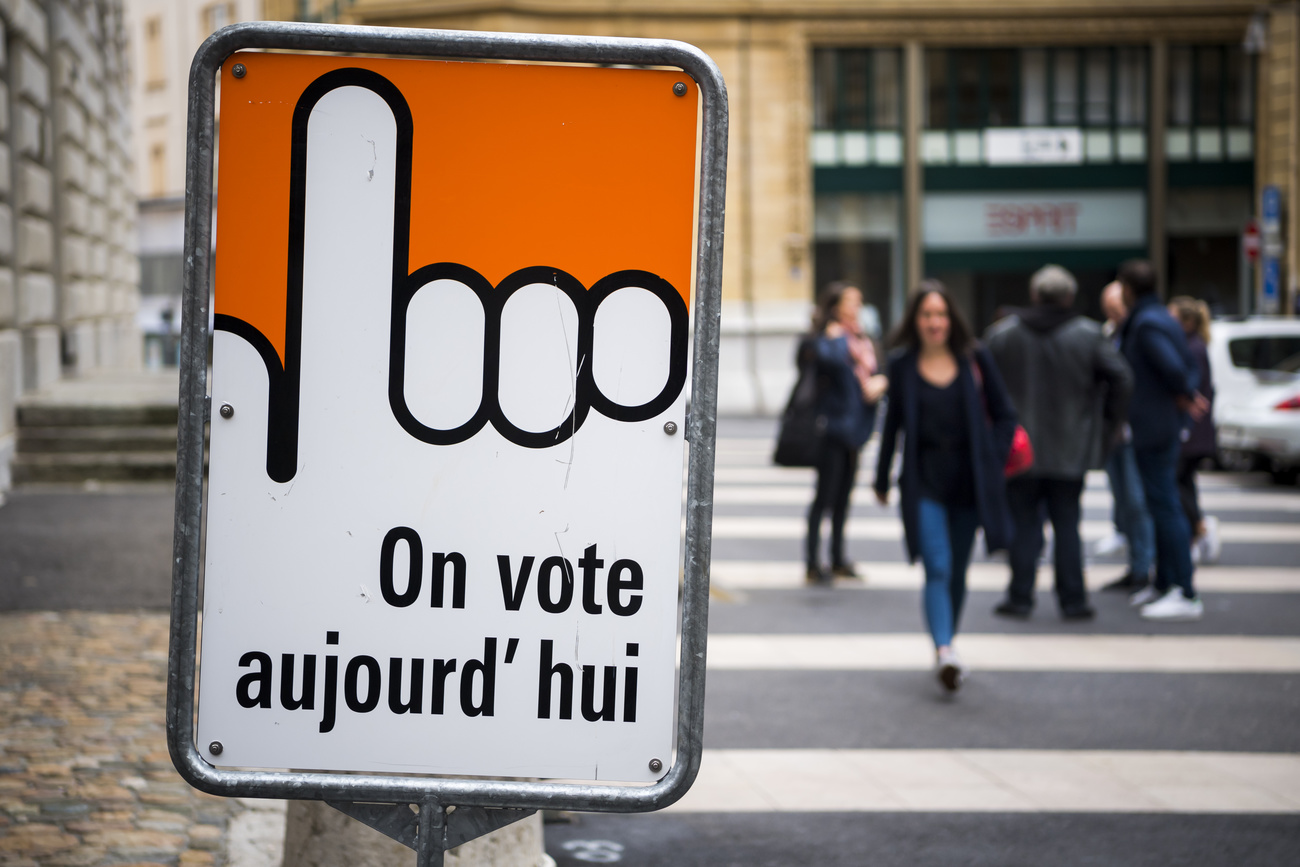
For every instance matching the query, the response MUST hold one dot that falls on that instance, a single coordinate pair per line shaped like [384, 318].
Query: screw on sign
[451, 305]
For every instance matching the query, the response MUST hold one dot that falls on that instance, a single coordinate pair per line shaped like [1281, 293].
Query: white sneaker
[1145, 596]
[1112, 544]
[949, 670]
[1173, 606]
[1211, 543]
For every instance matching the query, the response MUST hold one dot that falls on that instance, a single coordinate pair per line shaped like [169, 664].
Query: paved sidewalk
[85, 778]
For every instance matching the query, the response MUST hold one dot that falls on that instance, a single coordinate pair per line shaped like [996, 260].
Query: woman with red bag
[958, 425]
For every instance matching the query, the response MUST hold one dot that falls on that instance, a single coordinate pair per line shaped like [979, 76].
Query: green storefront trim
[1212, 175]
[1028, 260]
[867, 179]
[889, 179]
[1084, 177]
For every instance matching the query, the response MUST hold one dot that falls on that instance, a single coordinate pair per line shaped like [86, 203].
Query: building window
[857, 89]
[218, 15]
[157, 171]
[982, 88]
[857, 107]
[155, 75]
[972, 88]
[1035, 105]
[1211, 104]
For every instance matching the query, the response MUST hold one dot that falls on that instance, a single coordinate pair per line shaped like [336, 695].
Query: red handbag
[1021, 457]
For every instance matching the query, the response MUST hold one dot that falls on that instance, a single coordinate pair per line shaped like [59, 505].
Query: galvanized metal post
[431, 841]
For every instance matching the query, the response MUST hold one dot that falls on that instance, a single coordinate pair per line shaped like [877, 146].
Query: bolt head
[239, 70]
[670, 427]
[656, 765]
[680, 88]
[227, 411]
[215, 748]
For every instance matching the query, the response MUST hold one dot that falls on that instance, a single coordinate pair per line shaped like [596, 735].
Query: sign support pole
[431, 841]
[433, 829]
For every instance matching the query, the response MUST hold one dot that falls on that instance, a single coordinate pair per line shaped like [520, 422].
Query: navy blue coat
[850, 420]
[1154, 345]
[990, 438]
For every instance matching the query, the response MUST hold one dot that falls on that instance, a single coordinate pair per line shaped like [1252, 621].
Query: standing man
[1071, 390]
[1130, 505]
[1164, 391]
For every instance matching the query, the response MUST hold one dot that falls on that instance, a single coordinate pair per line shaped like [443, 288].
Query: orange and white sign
[448, 391]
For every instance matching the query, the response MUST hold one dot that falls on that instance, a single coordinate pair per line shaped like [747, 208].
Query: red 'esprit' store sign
[1009, 220]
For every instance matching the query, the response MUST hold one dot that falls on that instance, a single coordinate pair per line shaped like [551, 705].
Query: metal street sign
[1270, 211]
[1270, 218]
[448, 417]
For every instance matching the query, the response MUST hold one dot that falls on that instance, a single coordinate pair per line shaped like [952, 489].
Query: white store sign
[445, 496]
[1064, 218]
[1033, 146]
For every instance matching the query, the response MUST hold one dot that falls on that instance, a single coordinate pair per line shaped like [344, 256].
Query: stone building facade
[68, 270]
[164, 34]
[883, 141]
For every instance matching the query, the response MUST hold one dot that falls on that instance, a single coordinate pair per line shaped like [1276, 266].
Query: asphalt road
[1017, 713]
[110, 549]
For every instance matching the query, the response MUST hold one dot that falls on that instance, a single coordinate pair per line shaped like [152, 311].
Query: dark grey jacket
[1068, 383]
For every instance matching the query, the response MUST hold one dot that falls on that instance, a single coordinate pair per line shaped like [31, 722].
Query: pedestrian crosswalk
[1003, 781]
[985, 652]
[853, 661]
[729, 576]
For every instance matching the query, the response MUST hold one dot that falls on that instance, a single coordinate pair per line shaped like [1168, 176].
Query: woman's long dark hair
[828, 302]
[961, 340]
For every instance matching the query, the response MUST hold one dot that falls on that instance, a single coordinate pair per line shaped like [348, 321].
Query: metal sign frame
[347, 791]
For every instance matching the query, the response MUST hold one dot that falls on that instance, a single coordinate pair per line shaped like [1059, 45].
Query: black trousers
[837, 468]
[1028, 497]
[1187, 495]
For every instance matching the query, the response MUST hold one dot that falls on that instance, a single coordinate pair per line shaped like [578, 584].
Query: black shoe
[844, 570]
[1078, 612]
[1018, 610]
[816, 576]
[1128, 583]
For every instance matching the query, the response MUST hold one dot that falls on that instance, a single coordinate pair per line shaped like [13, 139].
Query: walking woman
[948, 400]
[1200, 441]
[851, 388]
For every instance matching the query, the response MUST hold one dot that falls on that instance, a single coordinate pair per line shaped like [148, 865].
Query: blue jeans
[1158, 467]
[946, 534]
[1131, 515]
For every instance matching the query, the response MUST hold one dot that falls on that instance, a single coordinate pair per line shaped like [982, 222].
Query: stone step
[89, 415]
[74, 438]
[103, 466]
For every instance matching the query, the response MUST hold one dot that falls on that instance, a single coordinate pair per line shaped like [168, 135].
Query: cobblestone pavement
[85, 778]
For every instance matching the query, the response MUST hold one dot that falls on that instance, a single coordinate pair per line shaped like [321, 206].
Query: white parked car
[1256, 367]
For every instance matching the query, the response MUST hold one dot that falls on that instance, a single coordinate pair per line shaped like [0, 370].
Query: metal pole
[430, 843]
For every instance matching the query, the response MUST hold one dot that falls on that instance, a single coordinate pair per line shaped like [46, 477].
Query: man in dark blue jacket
[1164, 390]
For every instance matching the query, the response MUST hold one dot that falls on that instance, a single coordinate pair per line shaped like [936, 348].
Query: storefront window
[1097, 90]
[857, 89]
[1065, 87]
[1033, 87]
[936, 68]
[1130, 87]
[1211, 85]
[1098, 87]
[1211, 104]
[1208, 105]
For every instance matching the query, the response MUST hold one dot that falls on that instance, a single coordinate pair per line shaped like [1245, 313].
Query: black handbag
[799, 439]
